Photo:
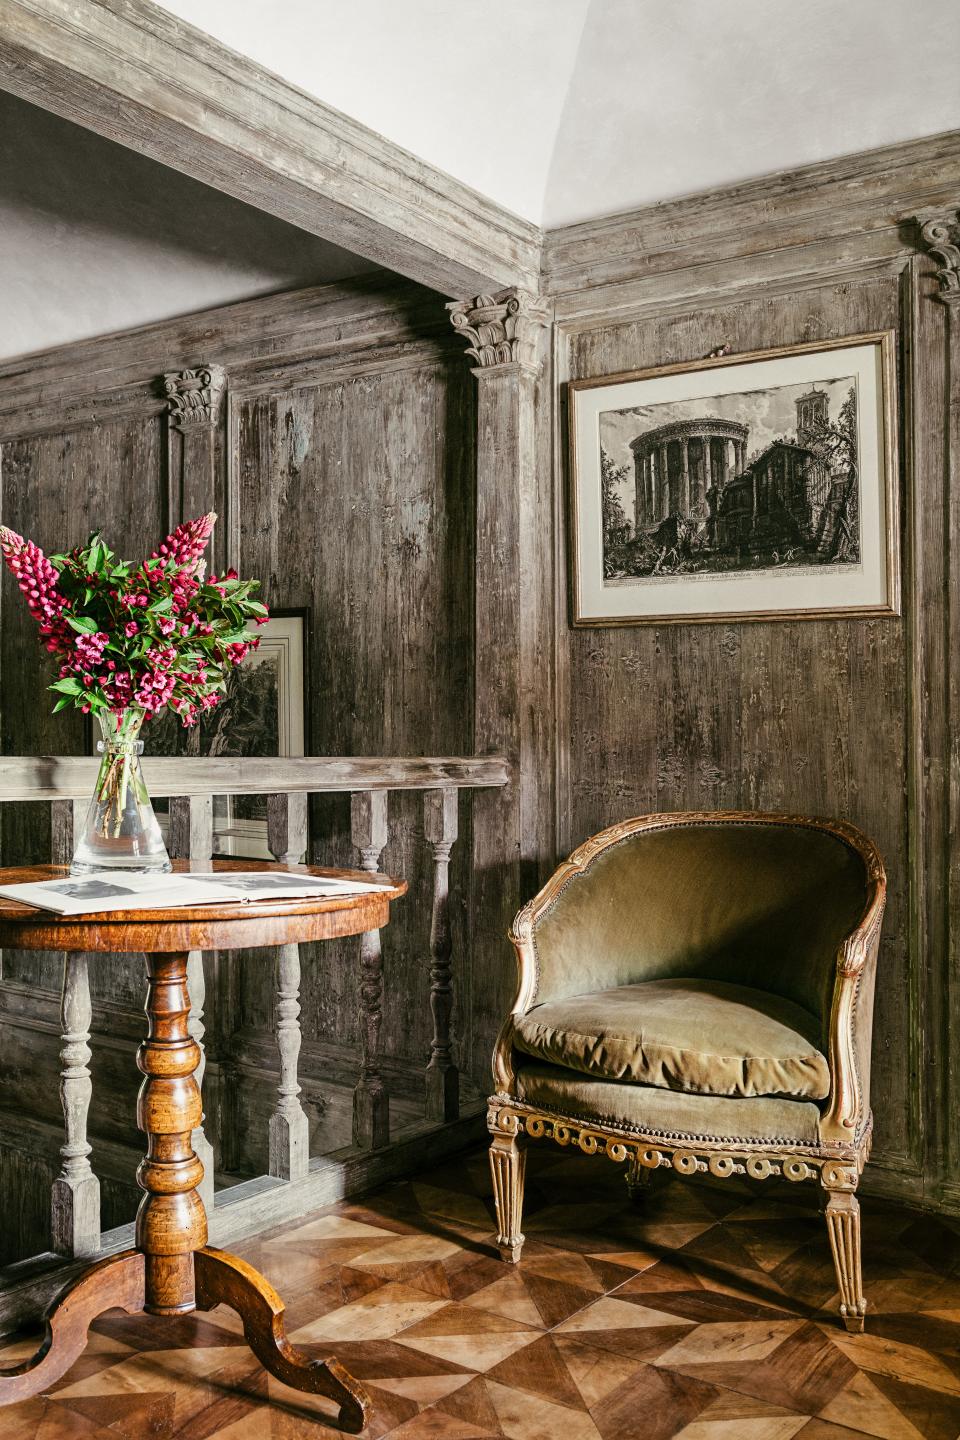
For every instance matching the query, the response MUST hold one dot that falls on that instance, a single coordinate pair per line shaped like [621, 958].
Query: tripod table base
[220, 1279]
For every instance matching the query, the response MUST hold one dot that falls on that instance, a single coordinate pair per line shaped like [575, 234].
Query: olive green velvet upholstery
[759, 905]
[705, 1037]
[771, 1119]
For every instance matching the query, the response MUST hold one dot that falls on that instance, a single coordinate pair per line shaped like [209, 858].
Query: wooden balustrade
[289, 1130]
[440, 815]
[190, 784]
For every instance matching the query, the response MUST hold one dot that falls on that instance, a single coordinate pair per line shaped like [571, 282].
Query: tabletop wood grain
[219, 926]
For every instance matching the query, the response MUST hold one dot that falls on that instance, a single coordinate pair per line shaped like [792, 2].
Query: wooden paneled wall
[849, 718]
[342, 466]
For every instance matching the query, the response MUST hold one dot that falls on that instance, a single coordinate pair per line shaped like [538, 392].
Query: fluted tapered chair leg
[508, 1163]
[843, 1225]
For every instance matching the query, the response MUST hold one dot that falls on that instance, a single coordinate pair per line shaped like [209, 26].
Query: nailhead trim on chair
[671, 1135]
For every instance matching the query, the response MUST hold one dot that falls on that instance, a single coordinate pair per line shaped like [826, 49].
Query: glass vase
[121, 830]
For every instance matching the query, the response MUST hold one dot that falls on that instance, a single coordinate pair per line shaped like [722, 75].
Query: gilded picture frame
[756, 486]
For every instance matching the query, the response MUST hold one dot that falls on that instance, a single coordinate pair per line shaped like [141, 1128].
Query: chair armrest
[850, 1029]
[520, 935]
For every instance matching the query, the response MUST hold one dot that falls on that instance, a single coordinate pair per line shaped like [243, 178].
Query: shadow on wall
[95, 237]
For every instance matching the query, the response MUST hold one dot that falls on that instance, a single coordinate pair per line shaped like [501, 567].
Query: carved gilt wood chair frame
[846, 1120]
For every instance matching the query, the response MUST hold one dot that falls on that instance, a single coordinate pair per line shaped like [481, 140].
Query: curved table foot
[222, 1278]
[114, 1283]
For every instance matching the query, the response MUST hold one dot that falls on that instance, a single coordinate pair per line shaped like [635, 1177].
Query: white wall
[670, 98]
[96, 238]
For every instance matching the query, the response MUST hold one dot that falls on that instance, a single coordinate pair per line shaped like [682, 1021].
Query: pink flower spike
[187, 543]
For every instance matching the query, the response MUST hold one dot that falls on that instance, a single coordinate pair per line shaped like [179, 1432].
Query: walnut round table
[172, 1270]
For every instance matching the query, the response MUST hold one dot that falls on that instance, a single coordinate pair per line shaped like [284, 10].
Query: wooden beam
[60, 777]
[145, 79]
[854, 204]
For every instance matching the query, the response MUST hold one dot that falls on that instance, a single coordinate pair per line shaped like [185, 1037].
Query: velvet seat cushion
[772, 1120]
[703, 1037]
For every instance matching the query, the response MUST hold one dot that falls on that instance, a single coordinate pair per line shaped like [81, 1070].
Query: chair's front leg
[508, 1161]
[843, 1226]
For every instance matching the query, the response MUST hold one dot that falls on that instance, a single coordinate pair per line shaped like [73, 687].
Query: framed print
[262, 713]
[759, 486]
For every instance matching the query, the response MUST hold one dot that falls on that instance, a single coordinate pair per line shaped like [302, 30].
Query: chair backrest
[760, 900]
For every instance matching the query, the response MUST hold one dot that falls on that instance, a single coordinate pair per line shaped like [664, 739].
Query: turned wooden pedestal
[173, 1270]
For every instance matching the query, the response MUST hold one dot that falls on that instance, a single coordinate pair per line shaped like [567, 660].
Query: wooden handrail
[68, 777]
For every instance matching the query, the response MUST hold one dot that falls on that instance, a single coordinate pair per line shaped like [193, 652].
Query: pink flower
[37, 580]
[188, 542]
[166, 625]
[131, 628]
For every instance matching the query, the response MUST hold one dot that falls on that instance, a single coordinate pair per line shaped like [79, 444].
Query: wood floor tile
[594, 1371]
[861, 1405]
[541, 1369]
[755, 1427]
[652, 1405]
[481, 1352]
[530, 1417]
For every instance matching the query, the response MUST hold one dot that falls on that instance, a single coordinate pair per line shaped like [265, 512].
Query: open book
[113, 890]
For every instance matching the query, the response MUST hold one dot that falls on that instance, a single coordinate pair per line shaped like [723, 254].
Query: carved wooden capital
[941, 235]
[194, 396]
[501, 329]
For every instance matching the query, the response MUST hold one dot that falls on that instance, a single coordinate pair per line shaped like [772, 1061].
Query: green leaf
[94, 559]
[160, 607]
[82, 624]
[69, 685]
[62, 704]
[256, 608]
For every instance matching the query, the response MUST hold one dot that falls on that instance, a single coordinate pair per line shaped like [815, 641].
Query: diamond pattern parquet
[706, 1311]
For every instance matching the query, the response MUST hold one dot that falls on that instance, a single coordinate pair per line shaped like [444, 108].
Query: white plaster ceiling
[567, 109]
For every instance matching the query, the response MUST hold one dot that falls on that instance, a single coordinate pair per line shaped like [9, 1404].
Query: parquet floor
[703, 1313]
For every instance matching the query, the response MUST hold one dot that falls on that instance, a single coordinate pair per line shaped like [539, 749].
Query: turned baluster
[442, 1075]
[289, 1128]
[191, 837]
[75, 1196]
[371, 1102]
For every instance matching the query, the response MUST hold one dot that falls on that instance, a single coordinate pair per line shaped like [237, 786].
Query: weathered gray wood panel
[356, 503]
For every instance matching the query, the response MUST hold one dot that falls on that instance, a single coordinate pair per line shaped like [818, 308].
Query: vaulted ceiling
[567, 109]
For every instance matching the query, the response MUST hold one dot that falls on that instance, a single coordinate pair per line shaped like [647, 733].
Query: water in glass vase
[121, 830]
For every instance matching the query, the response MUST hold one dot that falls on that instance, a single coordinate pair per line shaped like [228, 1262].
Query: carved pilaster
[501, 329]
[194, 396]
[196, 481]
[941, 235]
[513, 828]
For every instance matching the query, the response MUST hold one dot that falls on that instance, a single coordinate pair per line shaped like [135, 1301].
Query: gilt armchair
[696, 991]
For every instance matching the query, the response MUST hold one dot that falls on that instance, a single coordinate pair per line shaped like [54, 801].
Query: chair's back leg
[638, 1178]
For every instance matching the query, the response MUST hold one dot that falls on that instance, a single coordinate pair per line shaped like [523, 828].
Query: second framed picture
[756, 486]
[262, 713]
